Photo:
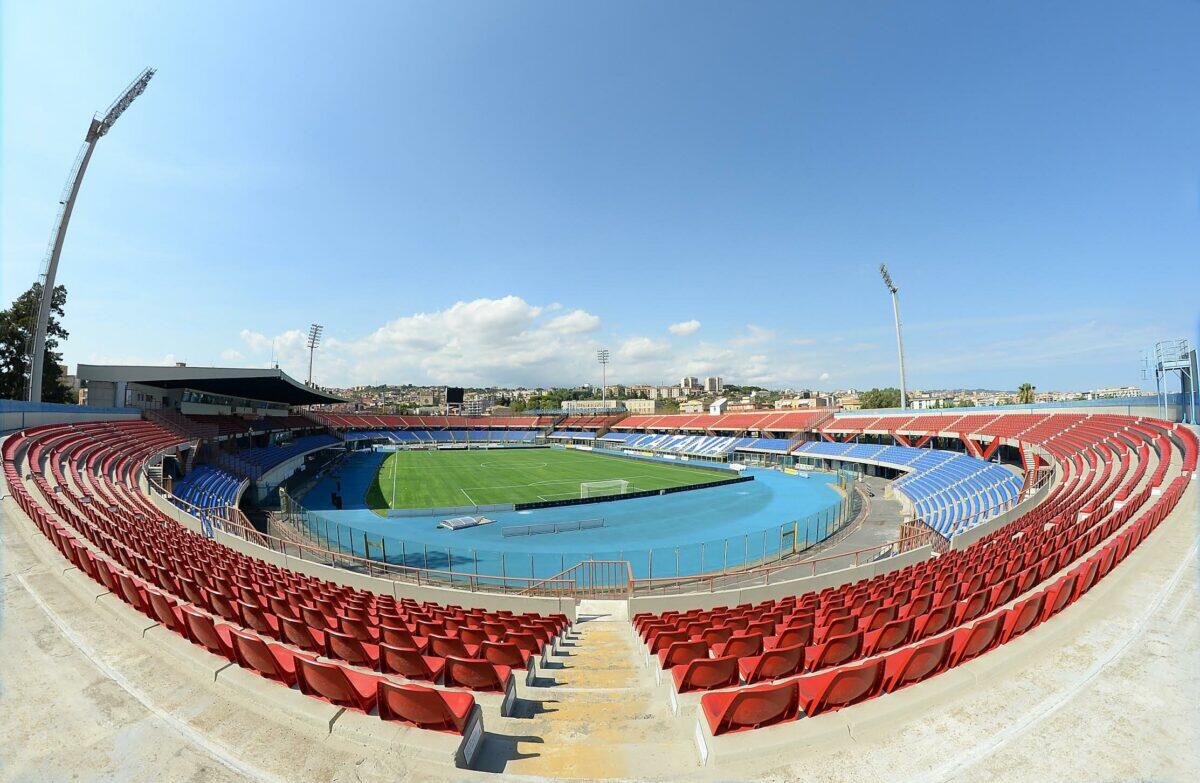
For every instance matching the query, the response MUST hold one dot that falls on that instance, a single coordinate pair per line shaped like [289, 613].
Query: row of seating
[259, 459]
[951, 493]
[208, 486]
[572, 435]
[753, 421]
[443, 436]
[842, 645]
[286, 622]
[694, 445]
[371, 421]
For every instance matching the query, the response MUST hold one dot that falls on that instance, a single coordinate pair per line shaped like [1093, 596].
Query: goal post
[595, 489]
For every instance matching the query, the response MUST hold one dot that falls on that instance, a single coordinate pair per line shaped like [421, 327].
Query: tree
[668, 406]
[880, 398]
[16, 338]
[1025, 394]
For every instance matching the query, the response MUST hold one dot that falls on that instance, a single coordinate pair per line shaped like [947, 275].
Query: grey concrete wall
[16, 415]
[756, 593]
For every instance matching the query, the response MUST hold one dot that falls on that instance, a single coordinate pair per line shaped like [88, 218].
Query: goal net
[595, 489]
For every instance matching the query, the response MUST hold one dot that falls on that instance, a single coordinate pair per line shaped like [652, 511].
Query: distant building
[1115, 392]
[639, 406]
[692, 406]
[850, 402]
[719, 405]
[477, 406]
[689, 384]
[714, 384]
[500, 410]
[741, 407]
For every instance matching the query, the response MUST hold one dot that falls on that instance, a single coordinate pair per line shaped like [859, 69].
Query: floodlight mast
[602, 357]
[96, 130]
[314, 339]
[887, 280]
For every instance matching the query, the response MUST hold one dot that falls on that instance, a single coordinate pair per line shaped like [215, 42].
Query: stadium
[228, 572]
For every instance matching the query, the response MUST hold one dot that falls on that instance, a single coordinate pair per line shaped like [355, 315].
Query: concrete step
[603, 717]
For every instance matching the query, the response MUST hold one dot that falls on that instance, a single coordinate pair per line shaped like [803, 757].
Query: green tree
[880, 398]
[668, 406]
[16, 337]
[1026, 394]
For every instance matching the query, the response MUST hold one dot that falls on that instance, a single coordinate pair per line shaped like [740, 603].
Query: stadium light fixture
[314, 339]
[887, 280]
[96, 130]
[602, 357]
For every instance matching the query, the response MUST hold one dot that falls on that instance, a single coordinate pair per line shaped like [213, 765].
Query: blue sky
[487, 192]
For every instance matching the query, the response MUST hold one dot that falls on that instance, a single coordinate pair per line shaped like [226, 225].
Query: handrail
[589, 567]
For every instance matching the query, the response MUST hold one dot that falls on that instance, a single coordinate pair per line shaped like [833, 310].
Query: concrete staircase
[596, 712]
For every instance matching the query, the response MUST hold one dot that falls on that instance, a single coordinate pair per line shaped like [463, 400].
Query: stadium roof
[267, 385]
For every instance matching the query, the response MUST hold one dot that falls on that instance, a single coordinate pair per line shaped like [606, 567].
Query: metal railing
[780, 572]
[231, 521]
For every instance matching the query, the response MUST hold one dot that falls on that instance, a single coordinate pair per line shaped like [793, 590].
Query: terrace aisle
[603, 717]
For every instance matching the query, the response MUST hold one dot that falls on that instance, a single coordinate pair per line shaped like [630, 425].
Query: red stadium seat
[345, 647]
[1023, 616]
[937, 620]
[168, 612]
[681, 653]
[270, 660]
[790, 637]
[834, 651]
[425, 708]
[447, 646]
[892, 635]
[297, 632]
[410, 663]
[750, 708]
[840, 687]
[402, 637]
[705, 674]
[203, 631]
[739, 646]
[505, 654]
[772, 664]
[475, 674]
[913, 664]
[337, 685]
[976, 639]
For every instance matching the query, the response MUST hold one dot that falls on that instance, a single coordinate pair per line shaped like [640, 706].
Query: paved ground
[1106, 691]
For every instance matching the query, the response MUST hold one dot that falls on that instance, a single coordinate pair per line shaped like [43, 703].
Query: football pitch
[439, 479]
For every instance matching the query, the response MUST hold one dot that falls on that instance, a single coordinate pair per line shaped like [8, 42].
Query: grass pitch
[435, 479]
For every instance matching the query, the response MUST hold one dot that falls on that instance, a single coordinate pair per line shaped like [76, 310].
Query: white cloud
[575, 322]
[641, 349]
[509, 341]
[684, 328]
[754, 335]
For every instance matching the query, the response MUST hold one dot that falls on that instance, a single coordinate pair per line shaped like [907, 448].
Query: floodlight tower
[314, 339]
[887, 280]
[602, 357]
[96, 130]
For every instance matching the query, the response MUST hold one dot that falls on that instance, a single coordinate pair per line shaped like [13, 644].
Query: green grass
[435, 479]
